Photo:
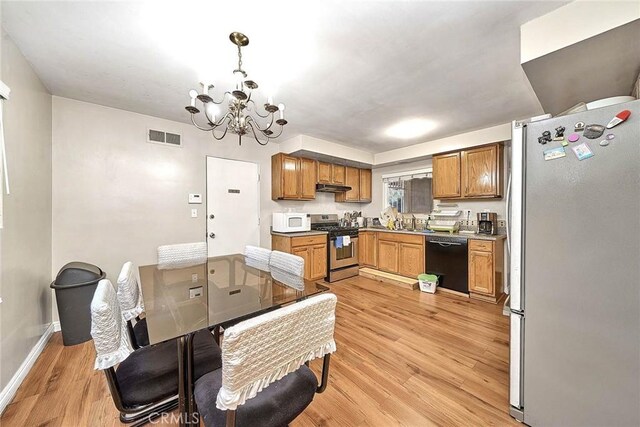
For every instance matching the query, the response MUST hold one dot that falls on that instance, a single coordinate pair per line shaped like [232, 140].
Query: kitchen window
[409, 192]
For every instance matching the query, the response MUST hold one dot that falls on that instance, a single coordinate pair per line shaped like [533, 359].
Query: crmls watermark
[173, 418]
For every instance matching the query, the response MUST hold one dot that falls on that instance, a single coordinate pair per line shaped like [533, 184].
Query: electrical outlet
[502, 223]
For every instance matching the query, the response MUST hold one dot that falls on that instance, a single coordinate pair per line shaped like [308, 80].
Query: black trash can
[75, 284]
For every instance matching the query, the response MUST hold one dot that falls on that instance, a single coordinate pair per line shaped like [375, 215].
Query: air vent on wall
[161, 137]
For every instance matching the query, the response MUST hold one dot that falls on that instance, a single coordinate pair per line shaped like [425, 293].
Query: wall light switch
[194, 277]
[195, 292]
[194, 213]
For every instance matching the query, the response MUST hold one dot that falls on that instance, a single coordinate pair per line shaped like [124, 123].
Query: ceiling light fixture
[238, 119]
[411, 128]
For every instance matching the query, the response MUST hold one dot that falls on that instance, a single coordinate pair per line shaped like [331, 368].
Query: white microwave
[289, 222]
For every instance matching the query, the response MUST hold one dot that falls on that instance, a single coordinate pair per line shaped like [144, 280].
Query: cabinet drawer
[400, 237]
[308, 240]
[481, 245]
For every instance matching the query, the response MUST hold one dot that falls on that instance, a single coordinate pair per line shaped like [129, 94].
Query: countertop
[385, 230]
[440, 233]
[299, 233]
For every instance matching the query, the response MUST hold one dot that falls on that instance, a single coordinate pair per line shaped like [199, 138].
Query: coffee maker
[487, 223]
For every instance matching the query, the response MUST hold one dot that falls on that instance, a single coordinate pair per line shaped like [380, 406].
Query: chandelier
[239, 117]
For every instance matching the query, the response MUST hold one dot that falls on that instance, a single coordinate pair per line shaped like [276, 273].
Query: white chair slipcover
[255, 263]
[183, 254]
[262, 350]
[294, 281]
[107, 327]
[287, 262]
[129, 294]
[259, 254]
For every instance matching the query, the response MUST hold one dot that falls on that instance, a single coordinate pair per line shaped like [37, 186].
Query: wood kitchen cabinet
[368, 249]
[475, 173]
[401, 253]
[313, 249]
[445, 180]
[293, 178]
[365, 185]
[352, 179]
[338, 174]
[486, 259]
[325, 173]
[481, 172]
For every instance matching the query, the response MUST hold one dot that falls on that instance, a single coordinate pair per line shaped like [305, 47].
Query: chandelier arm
[193, 120]
[258, 126]
[275, 136]
[223, 135]
[258, 113]
[224, 95]
[214, 123]
[256, 136]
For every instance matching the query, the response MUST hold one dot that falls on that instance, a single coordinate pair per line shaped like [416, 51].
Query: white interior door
[233, 206]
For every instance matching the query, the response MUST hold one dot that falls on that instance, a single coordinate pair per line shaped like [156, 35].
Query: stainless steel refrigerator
[575, 273]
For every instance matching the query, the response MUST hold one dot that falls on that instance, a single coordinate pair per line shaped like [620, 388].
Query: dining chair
[132, 305]
[143, 382]
[171, 256]
[265, 379]
[287, 262]
[256, 253]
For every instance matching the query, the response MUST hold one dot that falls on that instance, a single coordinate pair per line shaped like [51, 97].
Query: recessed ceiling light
[410, 128]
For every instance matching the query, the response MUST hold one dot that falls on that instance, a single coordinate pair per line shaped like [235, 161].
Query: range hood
[332, 188]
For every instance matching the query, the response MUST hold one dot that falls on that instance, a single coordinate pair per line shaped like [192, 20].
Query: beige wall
[25, 241]
[117, 197]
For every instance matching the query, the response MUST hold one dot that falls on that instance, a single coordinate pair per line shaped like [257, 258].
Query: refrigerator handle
[508, 208]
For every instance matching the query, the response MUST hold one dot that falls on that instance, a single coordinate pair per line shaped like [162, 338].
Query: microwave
[289, 222]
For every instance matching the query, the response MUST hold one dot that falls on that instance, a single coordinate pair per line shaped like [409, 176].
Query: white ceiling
[345, 70]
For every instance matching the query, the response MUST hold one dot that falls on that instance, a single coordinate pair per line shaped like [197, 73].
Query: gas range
[342, 254]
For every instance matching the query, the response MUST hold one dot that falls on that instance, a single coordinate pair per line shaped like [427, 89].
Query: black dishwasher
[447, 258]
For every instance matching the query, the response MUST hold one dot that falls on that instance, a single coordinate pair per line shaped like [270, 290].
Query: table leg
[182, 404]
[190, 380]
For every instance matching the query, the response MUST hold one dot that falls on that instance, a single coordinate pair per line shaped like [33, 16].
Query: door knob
[212, 235]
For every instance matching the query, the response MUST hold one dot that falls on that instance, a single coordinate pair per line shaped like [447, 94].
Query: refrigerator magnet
[554, 153]
[582, 151]
[573, 137]
[578, 127]
[564, 142]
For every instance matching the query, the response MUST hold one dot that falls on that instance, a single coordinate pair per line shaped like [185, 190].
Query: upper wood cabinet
[324, 173]
[469, 174]
[360, 182]
[292, 178]
[482, 172]
[308, 176]
[446, 176]
[365, 185]
[337, 174]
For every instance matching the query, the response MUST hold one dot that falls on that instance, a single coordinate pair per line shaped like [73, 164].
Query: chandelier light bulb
[281, 108]
[193, 93]
[212, 111]
[205, 88]
[270, 100]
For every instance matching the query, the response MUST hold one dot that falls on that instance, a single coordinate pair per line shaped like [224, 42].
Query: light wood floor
[404, 358]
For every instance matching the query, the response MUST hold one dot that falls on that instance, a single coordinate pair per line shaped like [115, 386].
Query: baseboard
[10, 390]
[56, 326]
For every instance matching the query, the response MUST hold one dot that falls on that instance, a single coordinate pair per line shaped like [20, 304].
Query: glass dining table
[181, 299]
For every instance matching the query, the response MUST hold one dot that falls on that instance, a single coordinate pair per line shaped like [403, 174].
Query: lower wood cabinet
[486, 260]
[313, 249]
[401, 254]
[368, 249]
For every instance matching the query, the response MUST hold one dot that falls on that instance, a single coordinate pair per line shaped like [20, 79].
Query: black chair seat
[150, 374]
[141, 333]
[275, 406]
